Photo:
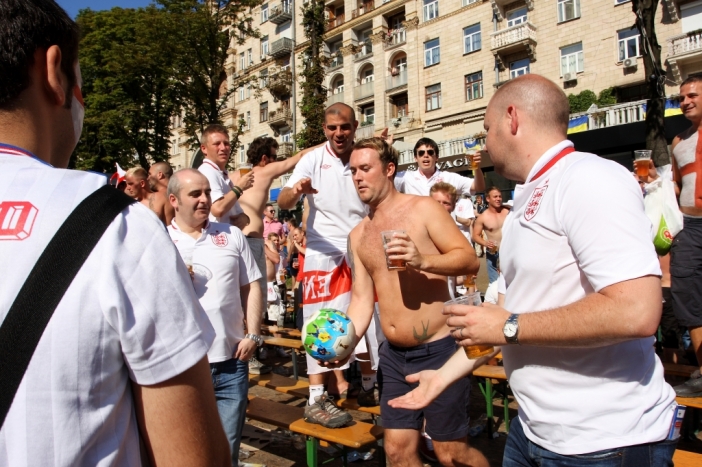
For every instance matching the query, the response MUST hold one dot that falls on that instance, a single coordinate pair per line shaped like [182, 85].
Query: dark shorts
[686, 272]
[447, 416]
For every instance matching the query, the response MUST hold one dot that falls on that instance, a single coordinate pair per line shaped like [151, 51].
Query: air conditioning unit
[568, 77]
[629, 63]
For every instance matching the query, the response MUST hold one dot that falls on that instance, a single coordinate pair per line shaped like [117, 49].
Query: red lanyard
[552, 162]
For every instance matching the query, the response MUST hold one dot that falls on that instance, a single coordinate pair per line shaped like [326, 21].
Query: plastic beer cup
[642, 160]
[477, 350]
[394, 264]
[244, 168]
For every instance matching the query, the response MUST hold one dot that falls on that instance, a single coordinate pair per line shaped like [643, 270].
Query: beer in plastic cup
[394, 264]
[473, 163]
[493, 249]
[469, 281]
[478, 350]
[642, 159]
[244, 168]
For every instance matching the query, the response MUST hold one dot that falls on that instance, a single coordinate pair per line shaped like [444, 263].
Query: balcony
[396, 80]
[280, 83]
[514, 39]
[366, 130]
[365, 8]
[337, 61]
[365, 50]
[280, 118]
[280, 13]
[364, 90]
[334, 98]
[618, 114]
[334, 22]
[400, 122]
[281, 48]
[285, 150]
[394, 38]
[683, 49]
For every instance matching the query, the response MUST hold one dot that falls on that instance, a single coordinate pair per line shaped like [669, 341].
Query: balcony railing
[281, 48]
[362, 10]
[406, 157]
[280, 117]
[337, 61]
[513, 35]
[395, 37]
[618, 114]
[280, 13]
[364, 131]
[685, 44]
[397, 80]
[366, 50]
[335, 22]
[280, 83]
[285, 150]
[399, 122]
[364, 90]
[334, 98]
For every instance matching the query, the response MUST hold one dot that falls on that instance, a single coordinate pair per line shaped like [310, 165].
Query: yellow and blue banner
[472, 145]
[578, 124]
[672, 107]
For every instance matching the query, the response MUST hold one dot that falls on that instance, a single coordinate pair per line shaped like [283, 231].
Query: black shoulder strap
[47, 283]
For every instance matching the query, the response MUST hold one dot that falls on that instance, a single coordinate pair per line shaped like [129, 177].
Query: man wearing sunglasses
[419, 182]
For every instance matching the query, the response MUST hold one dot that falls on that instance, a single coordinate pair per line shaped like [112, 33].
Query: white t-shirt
[222, 263]
[220, 184]
[559, 245]
[464, 210]
[130, 313]
[413, 182]
[336, 208]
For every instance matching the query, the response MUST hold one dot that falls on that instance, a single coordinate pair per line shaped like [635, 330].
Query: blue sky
[72, 6]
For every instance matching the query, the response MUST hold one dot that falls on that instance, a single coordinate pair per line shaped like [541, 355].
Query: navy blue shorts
[686, 272]
[447, 416]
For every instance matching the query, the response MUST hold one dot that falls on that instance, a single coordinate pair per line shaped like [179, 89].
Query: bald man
[138, 187]
[582, 302]
[159, 175]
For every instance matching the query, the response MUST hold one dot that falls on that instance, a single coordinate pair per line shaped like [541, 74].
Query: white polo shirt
[222, 264]
[336, 208]
[129, 314]
[464, 210]
[558, 246]
[220, 184]
[413, 182]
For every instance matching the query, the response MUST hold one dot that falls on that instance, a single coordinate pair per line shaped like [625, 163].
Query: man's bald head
[163, 167]
[538, 99]
[175, 184]
[340, 108]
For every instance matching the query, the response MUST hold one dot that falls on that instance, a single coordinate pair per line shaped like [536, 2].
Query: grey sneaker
[324, 412]
[258, 368]
[263, 353]
[690, 388]
[369, 398]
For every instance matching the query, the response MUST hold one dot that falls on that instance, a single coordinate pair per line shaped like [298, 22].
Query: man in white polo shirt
[216, 148]
[335, 209]
[125, 349]
[225, 277]
[583, 296]
[420, 181]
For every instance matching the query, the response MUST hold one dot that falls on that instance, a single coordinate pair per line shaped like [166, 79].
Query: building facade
[428, 68]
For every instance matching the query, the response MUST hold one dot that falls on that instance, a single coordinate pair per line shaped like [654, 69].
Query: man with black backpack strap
[102, 337]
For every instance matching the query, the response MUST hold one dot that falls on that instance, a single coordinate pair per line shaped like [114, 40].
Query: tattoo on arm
[423, 336]
[351, 265]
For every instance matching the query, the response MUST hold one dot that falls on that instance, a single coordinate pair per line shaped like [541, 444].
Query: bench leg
[505, 402]
[293, 352]
[312, 445]
[488, 392]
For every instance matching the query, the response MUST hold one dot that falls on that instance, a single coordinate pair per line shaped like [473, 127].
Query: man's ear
[56, 84]
[513, 116]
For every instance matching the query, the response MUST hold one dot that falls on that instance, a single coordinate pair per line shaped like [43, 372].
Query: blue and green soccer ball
[328, 335]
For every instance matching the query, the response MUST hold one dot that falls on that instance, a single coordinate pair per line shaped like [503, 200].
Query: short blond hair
[446, 188]
[138, 173]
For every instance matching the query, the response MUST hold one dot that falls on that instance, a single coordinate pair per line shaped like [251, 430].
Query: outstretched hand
[431, 384]
[304, 186]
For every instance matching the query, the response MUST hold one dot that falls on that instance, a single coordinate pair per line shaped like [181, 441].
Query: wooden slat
[297, 388]
[295, 344]
[273, 413]
[674, 369]
[687, 459]
[352, 404]
[275, 331]
[695, 402]
[490, 371]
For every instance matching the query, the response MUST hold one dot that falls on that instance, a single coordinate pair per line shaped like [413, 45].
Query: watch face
[510, 329]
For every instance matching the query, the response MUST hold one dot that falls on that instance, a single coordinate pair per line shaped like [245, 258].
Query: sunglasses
[429, 152]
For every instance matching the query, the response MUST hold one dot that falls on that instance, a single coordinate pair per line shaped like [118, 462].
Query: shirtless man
[686, 252]
[159, 175]
[410, 302]
[272, 252]
[491, 221]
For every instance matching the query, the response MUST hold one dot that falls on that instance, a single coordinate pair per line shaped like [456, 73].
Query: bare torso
[253, 201]
[157, 201]
[492, 224]
[270, 265]
[685, 156]
[410, 301]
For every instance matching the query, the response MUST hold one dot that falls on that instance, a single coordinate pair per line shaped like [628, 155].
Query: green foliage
[314, 93]
[581, 102]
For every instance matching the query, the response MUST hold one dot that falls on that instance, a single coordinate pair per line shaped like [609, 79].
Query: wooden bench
[695, 402]
[687, 459]
[293, 344]
[297, 388]
[276, 331]
[354, 436]
[674, 369]
[490, 373]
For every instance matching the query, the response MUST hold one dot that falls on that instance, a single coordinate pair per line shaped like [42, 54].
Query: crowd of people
[153, 341]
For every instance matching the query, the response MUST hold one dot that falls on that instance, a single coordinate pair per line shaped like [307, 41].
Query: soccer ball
[328, 335]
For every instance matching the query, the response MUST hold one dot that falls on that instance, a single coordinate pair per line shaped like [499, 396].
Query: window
[242, 154]
[471, 38]
[369, 114]
[518, 68]
[250, 54]
[263, 112]
[431, 9]
[628, 43]
[286, 137]
[174, 148]
[468, 2]
[264, 46]
[242, 61]
[241, 93]
[264, 13]
[431, 52]
[617, 2]
[264, 78]
[516, 17]
[433, 97]
[338, 86]
[474, 86]
[572, 60]
[568, 9]
[248, 91]
[248, 119]
[367, 75]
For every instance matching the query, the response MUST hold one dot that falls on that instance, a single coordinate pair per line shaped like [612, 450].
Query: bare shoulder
[357, 231]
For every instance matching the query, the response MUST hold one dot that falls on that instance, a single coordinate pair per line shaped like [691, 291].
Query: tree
[128, 87]
[645, 11]
[314, 94]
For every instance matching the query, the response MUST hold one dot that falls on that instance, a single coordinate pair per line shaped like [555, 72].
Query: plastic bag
[662, 210]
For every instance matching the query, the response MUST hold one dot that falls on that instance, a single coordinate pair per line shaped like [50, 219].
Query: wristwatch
[257, 339]
[511, 329]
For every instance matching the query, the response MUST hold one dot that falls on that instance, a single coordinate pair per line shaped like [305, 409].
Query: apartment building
[428, 68]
